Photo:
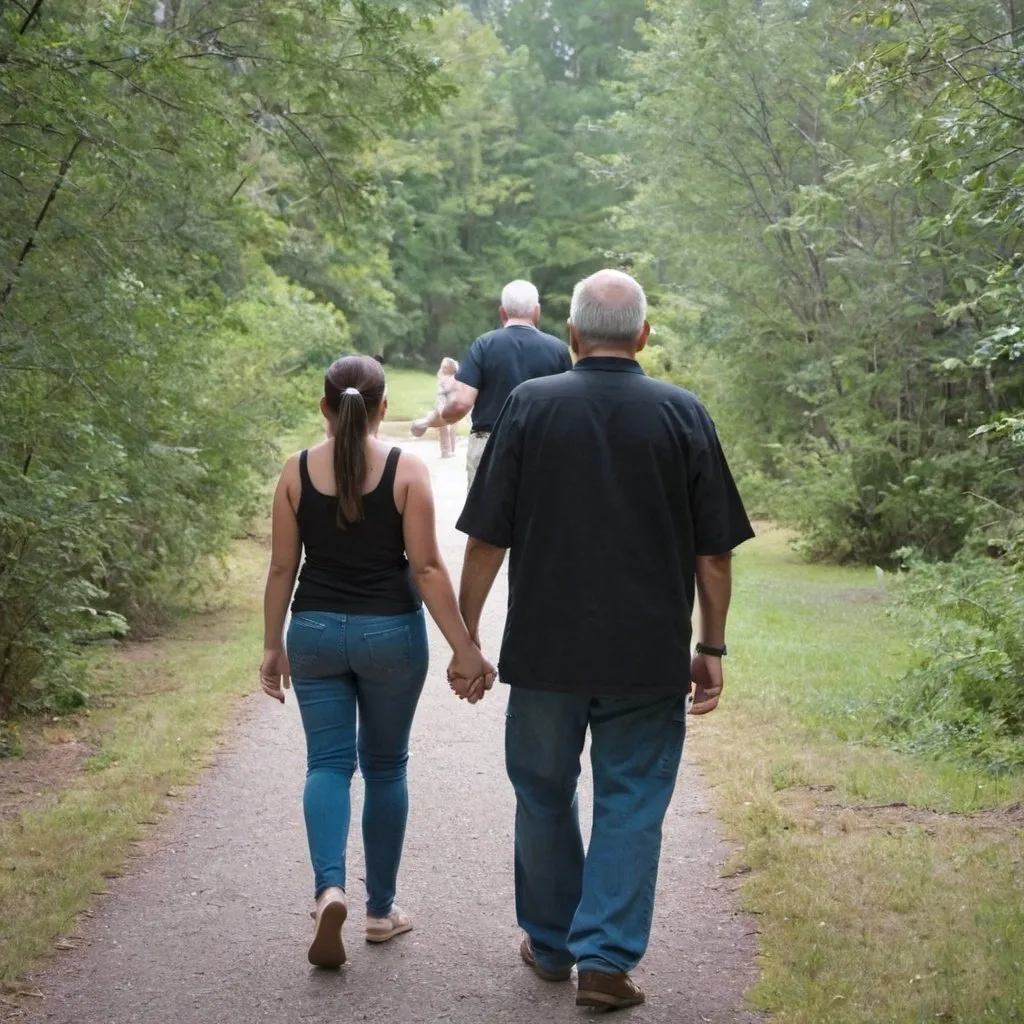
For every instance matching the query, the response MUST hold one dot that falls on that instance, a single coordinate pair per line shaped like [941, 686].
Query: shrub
[864, 504]
[965, 698]
[120, 481]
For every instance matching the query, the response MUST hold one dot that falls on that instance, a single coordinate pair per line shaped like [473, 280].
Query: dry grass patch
[156, 714]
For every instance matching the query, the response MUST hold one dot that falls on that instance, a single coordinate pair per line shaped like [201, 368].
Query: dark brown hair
[354, 389]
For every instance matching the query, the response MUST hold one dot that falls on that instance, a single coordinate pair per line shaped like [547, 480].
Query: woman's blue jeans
[357, 680]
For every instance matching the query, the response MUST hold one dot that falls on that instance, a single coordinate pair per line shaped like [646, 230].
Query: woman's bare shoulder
[411, 468]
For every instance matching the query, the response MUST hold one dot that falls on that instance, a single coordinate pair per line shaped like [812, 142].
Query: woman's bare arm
[285, 552]
[435, 585]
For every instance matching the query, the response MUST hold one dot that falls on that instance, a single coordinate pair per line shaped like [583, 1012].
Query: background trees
[153, 159]
[201, 200]
[832, 192]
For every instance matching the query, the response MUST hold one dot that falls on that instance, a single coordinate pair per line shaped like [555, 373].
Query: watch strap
[714, 652]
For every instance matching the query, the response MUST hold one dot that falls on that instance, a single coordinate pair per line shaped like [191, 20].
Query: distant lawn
[411, 395]
[887, 887]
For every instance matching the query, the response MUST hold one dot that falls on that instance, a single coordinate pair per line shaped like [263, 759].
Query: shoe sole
[604, 1001]
[379, 937]
[327, 948]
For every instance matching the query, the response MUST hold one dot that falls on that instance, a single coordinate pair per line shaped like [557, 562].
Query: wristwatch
[714, 652]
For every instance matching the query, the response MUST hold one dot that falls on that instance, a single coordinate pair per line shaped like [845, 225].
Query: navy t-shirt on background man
[501, 360]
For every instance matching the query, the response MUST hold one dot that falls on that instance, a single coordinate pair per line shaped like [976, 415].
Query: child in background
[445, 389]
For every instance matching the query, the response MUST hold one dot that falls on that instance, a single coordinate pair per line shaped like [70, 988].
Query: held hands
[418, 428]
[708, 681]
[275, 676]
[470, 674]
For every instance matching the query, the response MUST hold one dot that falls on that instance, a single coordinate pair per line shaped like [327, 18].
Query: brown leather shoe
[607, 991]
[526, 952]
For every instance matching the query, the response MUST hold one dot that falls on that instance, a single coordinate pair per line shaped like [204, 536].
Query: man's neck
[519, 321]
[608, 352]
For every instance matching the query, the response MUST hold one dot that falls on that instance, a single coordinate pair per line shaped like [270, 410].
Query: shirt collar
[613, 363]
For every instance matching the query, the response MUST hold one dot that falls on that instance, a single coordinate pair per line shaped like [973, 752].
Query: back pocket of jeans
[303, 644]
[390, 652]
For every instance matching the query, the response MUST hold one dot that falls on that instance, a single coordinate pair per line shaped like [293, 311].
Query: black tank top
[361, 570]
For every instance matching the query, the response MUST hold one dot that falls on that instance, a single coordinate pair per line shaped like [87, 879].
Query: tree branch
[30, 242]
[30, 17]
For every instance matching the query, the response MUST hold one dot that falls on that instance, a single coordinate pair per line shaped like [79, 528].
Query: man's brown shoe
[526, 952]
[607, 991]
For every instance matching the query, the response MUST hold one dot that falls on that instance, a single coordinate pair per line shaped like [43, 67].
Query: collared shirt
[606, 485]
[501, 360]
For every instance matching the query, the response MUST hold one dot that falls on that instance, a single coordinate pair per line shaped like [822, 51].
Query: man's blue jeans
[590, 909]
[357, 680]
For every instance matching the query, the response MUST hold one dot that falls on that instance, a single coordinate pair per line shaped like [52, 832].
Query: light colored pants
[474, 451]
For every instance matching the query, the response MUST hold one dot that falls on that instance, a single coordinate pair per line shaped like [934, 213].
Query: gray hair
[608, 306]
[519, 298]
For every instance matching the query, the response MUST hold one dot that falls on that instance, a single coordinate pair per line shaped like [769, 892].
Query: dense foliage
[151, 163]
[966, 697]
[839, 196]
[824, 200]
[830, 203]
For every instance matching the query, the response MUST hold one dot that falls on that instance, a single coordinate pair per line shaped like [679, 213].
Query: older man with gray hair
[613, 495]
[496, 363]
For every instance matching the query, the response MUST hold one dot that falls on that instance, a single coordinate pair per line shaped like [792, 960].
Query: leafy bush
[966, 697]
[155, 167]
[116, 487]
[864, 504]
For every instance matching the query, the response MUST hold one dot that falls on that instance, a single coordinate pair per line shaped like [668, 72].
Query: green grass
[411, 394]
[157, 711]
[866, 912]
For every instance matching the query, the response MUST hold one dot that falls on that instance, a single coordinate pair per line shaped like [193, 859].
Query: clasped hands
[470, 674]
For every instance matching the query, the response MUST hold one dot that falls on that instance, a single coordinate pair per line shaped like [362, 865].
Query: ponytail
[354, 390]
[350, 456]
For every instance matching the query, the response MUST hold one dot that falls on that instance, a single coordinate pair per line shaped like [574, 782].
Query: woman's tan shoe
[327, 948]
[380, 929]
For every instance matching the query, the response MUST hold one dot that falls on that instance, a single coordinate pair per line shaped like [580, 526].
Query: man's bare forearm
[479, 571]
[451, 413]
[714, 592]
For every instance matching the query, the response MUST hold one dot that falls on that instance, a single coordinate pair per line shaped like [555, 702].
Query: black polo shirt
[501, 360]
[606, 485]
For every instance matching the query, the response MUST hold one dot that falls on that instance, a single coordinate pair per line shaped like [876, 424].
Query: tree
[142, 378]
[791, 213]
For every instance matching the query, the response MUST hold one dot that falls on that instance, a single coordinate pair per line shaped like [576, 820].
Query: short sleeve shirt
[501, 360]
[606, 485]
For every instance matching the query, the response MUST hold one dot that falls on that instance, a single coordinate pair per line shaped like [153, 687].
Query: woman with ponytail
[362, 513]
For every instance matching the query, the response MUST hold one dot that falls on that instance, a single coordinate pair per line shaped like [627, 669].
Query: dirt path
[210, 926]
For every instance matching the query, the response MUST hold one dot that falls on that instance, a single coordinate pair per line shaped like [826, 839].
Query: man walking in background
[612, 492]
[496, 363]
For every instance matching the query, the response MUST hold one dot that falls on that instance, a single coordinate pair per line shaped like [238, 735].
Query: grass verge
[156, 712]
[888, 888]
